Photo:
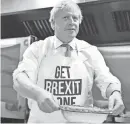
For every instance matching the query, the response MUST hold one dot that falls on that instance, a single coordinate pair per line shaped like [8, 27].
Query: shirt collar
[58, 43]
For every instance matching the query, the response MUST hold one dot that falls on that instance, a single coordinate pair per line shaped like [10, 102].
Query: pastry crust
[75, 108]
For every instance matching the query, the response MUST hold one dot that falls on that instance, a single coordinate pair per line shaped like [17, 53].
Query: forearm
[25, 87]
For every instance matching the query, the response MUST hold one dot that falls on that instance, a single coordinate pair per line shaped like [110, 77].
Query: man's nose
[71, 20]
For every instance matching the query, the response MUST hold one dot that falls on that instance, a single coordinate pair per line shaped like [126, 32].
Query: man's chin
[72, 35]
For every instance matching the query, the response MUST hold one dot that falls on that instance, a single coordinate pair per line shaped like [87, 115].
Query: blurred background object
[12, 104]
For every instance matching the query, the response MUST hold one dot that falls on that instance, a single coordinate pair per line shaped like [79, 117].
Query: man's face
[66, 25]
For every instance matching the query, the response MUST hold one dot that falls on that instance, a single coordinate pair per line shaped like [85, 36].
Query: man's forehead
[67, 12]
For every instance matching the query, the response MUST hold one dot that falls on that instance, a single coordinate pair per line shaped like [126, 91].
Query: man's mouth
[71, 29]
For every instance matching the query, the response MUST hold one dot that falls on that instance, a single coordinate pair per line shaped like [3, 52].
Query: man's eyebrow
[76, 15]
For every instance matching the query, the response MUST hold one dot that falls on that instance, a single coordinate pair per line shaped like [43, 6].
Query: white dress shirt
[101, 74]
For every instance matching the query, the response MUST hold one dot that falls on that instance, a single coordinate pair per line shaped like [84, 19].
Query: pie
[76, 108]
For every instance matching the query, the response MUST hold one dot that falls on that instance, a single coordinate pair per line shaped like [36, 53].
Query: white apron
[68, 79]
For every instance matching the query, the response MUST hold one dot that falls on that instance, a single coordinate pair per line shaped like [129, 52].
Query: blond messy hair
[65, 4]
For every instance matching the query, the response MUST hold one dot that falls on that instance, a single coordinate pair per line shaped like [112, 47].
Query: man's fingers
[118, 109]
[53, 105]
[111, 103]
[47, 103]
[116, 106]
[116, 103]
[55, 102]
[45, 107]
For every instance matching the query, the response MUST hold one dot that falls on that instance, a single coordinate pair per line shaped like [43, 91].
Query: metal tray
[81, 109]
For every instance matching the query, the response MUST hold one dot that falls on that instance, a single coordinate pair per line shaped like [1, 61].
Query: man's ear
[53, 24]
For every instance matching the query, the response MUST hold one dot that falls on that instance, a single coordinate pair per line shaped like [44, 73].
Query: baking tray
[75, 108]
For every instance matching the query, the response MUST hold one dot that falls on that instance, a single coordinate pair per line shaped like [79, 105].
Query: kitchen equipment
[90, 115]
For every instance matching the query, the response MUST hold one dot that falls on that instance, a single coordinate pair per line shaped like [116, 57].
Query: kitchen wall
[8, 6]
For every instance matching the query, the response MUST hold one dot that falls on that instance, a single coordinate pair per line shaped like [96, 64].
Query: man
[61, 70]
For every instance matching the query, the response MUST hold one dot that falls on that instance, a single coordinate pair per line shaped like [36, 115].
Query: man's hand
[46, 102]
[116, 103]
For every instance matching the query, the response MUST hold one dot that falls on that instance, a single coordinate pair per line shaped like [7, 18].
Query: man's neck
[65, 40]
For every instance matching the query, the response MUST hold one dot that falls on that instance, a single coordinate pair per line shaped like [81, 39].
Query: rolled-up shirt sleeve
[29, 64]
[103, 77]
